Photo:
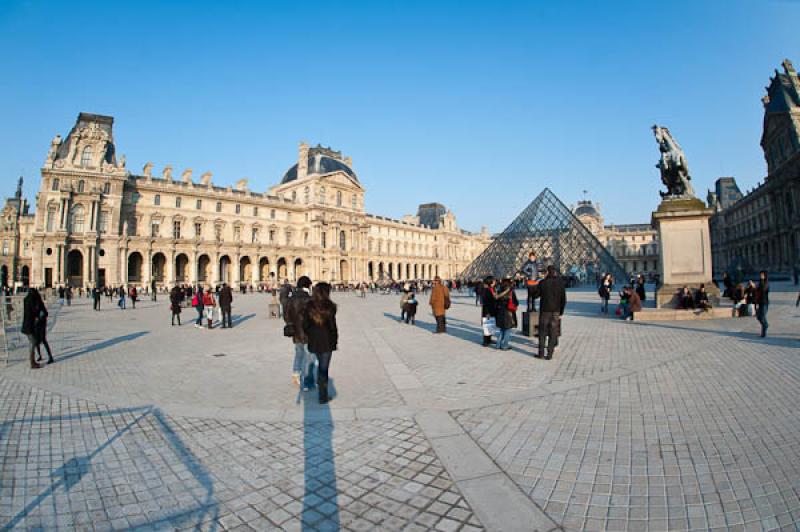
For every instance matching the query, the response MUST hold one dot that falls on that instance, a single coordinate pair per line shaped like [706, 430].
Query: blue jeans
[604, 306]
[502, 338]
[761, 316]
[626, 312]
[199, 320]
[303, 365]
[121, 303]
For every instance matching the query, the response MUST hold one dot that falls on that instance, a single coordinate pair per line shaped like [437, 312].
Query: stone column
[193, 268]
[123, 257]
[237, 271]
[215, 269]
[59, 263]
[170, 273]
[87, 264]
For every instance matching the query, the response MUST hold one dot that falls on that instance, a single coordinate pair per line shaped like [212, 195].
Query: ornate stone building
[98, 223]
[634, 246]
[761, 229]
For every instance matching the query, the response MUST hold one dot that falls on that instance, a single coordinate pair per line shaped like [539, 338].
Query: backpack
[194, 300]
[511, 305]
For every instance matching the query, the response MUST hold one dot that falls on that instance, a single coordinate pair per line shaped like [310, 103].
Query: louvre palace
[96, 223]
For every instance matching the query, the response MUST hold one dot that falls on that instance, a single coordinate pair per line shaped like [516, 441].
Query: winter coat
[488, 303]
[634, 302]
[294, 312]
[226, 297]
[320, 338]
[34, 319]
[175, 300]
[208, 300]
[440, 299]
[505, 317]
[552, 296]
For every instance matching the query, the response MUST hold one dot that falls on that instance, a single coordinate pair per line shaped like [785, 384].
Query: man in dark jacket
[284, 294]
[225, 302]
[531, 271]
[303, 367]
[552, 300]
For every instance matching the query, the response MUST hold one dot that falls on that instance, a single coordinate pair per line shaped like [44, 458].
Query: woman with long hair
[319, 324]
[34, 326]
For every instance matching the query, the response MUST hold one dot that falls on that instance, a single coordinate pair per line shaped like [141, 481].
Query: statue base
[682, 225]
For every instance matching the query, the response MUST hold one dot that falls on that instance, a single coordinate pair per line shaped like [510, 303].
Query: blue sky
[478, 105]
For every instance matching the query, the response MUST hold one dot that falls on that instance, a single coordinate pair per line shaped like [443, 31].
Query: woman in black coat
[175, 304]
[488, 309]
[34, 326]
[319, 324]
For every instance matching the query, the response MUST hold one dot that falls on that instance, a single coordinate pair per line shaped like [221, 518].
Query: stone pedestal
[682, 225]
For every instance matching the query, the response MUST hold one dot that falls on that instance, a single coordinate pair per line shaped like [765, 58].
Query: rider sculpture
[674, 170]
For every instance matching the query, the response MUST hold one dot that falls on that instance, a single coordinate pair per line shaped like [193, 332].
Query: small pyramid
[555, 234]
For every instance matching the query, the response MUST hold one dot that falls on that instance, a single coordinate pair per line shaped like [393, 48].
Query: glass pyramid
[555, 234]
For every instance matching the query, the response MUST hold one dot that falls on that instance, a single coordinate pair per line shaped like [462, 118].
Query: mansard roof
[321, 160]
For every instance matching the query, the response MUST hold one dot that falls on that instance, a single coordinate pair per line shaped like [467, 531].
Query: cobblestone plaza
[632, 426]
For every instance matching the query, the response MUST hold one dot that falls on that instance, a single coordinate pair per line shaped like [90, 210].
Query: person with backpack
[506, 315]
[319, 324]
[197, 303]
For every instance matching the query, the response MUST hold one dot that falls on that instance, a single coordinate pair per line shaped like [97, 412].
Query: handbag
[511, 305]
[288, 330]
[489, 326]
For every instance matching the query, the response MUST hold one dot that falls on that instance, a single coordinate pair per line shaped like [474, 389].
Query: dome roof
[585, 208]
[320, 161]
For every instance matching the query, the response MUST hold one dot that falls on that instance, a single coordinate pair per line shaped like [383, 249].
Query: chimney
[302, 161]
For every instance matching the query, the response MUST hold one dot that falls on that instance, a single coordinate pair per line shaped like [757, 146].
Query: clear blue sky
[478, 105]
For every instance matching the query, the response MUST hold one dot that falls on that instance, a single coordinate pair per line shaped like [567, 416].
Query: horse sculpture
[673, 167]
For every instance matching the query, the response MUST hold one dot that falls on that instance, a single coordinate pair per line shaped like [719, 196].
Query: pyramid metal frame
[558, 237]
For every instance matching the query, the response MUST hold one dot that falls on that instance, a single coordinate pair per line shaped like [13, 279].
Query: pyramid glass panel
[555, 234]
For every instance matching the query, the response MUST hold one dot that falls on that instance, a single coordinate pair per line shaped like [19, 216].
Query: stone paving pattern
[633, 426]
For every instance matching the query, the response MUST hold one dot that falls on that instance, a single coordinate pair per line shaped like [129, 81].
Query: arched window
[338, 198]
[86, 156]
[294, 196]
[322, 195]
[56, 184]
[81, 185]
[342, 240]
[76, 219]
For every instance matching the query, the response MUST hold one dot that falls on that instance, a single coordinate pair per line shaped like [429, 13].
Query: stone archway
[371, 271]
[25, 276]
[181, 268]
[135, 262]
[299, 269]
[225, 273]
[159, 268]
[380, 271]
[263, 269]
[203, 269]
[344, 271]
[245, 270]
[282, 270]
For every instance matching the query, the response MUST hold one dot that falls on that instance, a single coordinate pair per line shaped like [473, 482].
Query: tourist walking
[440, 302]
[134, 296]
[488, 310]
[410, 307]
[506, 315]
[34, 326]
[68, 295]
[197, 303]
[319, 323]
[225, 302]
[552, 300]
[303, 364]
[96, 298]
[209, 303]
[403, 300]
[762, 302]
[284, 294]
[605, 292]
[153, 289]
[640, 291]
[121, 302]
[175, 304]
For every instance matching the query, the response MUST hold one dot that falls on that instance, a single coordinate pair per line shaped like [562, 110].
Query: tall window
[198, 205]
[86, 156]
[254, 235]
[56, 184]
[294, 196]
[155, 228]
[102, 222]
[305, 238]
[157, 199]
[52, 212]
[219, 206]
[288, 238]
[178, 202]
[353, 201]
[238, 208]
[272, 236]
[237, 233]
[77, 216]
[338, 198]
[176, 229]
[198, 230]
[324, 239]
[132, 226]
[255, 211]
[272, 214]
[218, 233]
[306, 194]
[342, 240]
[322, 195]
[5, 246]
[81, 186]
[106, 188]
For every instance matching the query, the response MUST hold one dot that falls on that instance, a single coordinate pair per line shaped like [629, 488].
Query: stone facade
[634, 246]
[761, 230]
[98, 223]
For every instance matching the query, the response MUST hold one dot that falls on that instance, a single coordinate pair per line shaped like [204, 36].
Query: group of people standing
[310, 321]
[205, 302]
